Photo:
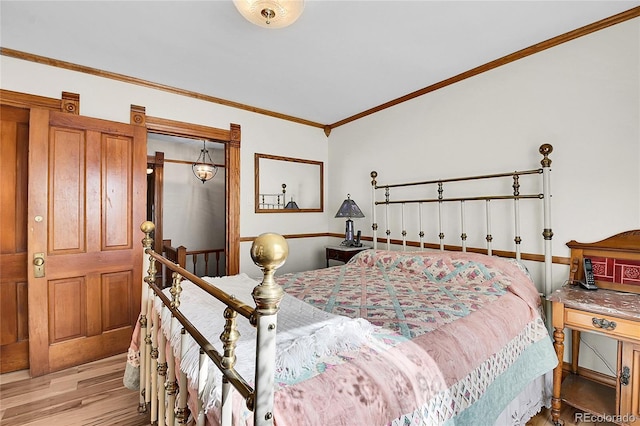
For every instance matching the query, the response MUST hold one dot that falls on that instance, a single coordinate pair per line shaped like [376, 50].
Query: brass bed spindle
[172, 384]
[440, 233]
[182, 411]
[516, 212]
[463, 234]
[489, 237]
[229, 337]
[162, 377]
[421, 229]
[404, 231]
[154, 366]
[388, 231]
[203, 373]
[374, 224]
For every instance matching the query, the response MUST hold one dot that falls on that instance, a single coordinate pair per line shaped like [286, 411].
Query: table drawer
[336, 255]
[605, 324]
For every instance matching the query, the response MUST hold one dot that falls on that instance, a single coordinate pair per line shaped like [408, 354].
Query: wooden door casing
[87, 185]
[14, 145]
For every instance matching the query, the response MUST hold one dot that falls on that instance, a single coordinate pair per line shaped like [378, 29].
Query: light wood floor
[93, 394]
[90, 394]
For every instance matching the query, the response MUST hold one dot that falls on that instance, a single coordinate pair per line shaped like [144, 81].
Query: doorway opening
[190, 215]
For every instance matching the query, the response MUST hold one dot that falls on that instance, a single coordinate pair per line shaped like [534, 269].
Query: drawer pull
[625, 376]
[603, 323]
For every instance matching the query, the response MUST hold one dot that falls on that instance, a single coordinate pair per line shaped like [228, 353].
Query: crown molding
[536, 48]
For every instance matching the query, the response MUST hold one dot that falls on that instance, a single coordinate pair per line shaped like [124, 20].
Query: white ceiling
[339, 59]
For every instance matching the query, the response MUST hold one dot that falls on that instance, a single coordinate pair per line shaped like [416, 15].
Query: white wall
[111, 100]
[583, 97]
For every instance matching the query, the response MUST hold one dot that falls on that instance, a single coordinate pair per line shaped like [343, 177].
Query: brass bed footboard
[158, 384]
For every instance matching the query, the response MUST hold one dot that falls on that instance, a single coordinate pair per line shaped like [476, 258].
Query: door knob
[38, 265]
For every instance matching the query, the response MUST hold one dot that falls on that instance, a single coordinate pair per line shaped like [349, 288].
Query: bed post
[374, 224]
[147, 243]
[269, 251]
[545, 150]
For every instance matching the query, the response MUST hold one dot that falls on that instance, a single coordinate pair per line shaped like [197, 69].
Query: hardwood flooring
[93, 395]
[90, 394]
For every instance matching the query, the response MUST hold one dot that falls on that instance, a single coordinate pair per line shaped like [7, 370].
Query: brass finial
[269, 251]
[374, 175]
[545, 150]
[147, 227]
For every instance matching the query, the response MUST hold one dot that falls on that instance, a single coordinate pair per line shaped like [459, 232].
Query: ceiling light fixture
[270, 13]
[203, 168]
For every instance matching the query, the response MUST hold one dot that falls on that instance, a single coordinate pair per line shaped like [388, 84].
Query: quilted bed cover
[460, 335]
[449, 339]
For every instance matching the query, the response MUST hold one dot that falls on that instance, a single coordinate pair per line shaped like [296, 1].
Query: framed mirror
[288, 185]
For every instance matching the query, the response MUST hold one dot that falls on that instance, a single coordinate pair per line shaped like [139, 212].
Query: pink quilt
[457, 323]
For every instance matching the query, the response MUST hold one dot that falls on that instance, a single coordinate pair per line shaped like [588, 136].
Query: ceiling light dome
[270, 13]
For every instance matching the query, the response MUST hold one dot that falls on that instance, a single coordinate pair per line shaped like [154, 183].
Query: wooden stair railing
[189, 259]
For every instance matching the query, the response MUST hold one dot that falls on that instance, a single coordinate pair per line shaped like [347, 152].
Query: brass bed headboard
[440, 199]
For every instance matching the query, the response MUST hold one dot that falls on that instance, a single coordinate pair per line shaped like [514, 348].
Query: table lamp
[349, 209]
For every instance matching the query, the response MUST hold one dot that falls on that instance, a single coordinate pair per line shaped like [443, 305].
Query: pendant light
[203, 168]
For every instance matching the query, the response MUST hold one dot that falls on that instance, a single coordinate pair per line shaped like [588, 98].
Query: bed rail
[515, 196]
[160, 383]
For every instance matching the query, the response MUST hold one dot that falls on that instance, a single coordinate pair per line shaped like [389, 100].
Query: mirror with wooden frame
[288, 185]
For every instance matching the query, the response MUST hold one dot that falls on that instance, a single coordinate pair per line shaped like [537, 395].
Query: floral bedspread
[460, 336]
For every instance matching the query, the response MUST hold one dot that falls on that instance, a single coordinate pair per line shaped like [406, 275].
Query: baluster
[194, 260]
[206, 264]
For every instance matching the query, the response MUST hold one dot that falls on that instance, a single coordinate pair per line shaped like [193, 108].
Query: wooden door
[86, 202]
[14, 145]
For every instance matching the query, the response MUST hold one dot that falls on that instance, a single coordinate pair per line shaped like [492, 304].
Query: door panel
[89, 198]
[14, 331]
[66, 191]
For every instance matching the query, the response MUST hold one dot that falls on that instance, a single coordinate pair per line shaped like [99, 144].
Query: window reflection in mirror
[288, 185]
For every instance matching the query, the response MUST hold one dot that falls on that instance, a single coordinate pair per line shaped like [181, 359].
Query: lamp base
[348, 236]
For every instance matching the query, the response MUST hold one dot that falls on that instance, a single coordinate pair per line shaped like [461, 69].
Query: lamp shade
[292, 205]
[349, 208]
[270, 13]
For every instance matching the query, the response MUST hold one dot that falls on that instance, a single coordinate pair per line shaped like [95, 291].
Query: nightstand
[342, 253]
[613, 311]
[613, 314]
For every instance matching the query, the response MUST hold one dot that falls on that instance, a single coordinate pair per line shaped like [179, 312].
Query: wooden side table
[611, 313]
[342, 253]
